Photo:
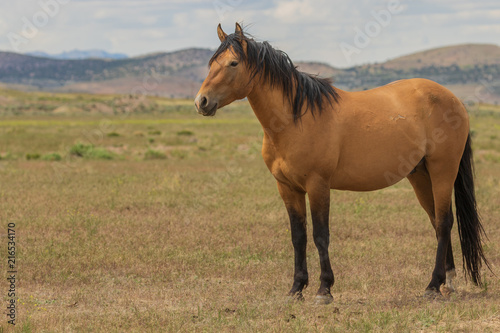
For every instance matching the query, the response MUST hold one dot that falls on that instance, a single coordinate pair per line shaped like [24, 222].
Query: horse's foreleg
[296, 206]
[319, 198]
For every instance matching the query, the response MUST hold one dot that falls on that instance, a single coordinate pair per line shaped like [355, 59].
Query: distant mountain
[457, 55]
[79, 54]
[468, 70]
[174, 74]
[471, 71]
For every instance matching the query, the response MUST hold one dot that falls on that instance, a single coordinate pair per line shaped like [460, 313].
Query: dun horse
[318, 137]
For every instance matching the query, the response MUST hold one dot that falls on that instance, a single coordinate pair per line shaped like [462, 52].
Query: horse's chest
[284, 170]
[280, 171]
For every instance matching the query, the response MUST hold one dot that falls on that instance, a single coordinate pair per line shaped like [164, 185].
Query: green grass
[90, 151]
[32, 156]
[154, 132]
[152, 154]
[185, 132]
[51, 157]
[200, 240]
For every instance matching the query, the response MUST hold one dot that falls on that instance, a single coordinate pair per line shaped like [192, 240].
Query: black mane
[278, 70]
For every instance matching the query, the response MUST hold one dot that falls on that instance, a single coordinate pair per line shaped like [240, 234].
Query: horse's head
[229, 77]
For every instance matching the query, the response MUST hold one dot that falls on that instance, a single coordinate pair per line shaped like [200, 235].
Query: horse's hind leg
[443, 173]
[421, 182]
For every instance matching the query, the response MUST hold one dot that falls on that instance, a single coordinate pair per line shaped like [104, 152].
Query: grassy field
[141, 216]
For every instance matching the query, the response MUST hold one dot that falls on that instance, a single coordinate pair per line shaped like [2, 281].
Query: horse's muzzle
[204, 106]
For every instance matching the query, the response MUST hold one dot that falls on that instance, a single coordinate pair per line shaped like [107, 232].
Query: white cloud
[294, 11]
[102, 14]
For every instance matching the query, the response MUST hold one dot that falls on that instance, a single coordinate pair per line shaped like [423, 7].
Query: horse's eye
[234, 63]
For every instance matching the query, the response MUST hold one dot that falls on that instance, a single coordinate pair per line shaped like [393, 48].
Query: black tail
[468, 220]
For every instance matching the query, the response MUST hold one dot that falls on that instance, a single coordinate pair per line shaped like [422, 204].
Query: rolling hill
[469, 70]
[459, 55]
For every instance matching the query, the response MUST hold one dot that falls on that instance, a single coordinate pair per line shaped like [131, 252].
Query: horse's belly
[367, 180]
[377, 167]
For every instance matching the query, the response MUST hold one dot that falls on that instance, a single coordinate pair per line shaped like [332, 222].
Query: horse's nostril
[203, 102]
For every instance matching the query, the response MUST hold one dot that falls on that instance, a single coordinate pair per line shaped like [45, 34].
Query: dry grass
[199, 241]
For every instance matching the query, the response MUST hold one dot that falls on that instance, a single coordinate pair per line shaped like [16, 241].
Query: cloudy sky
[341, 33]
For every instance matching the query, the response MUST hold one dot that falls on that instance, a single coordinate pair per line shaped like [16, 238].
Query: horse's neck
[271, 108]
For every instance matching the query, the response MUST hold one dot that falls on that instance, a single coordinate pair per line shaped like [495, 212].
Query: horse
[318, 137]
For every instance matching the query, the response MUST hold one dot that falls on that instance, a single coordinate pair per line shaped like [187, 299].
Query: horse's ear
[222, 35]
[239, 31]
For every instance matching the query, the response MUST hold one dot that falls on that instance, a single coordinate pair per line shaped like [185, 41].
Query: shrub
[100, 154]
[185, 132]
[154, 155]
[52, 157]
[91, 152]
[80, 149]
[113, 134]
[34, 156]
